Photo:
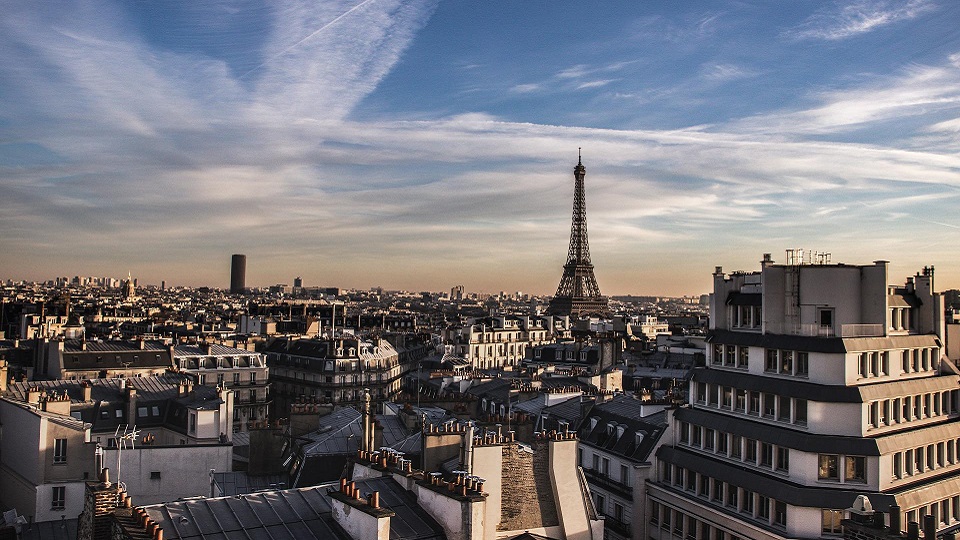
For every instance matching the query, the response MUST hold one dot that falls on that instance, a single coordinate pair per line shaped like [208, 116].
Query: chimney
[101, 500]
[34, 393]
[86, 387]
[929, 527]
[895, 518]
[206, 346]
[3, 375]
[130, 396]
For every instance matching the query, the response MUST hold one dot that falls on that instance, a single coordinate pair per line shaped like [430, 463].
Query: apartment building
[617, 441]
[245, 372]
[496, 342]
[332, 370]
[160, 433]
[822, 383]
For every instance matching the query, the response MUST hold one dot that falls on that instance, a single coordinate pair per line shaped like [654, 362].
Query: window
[142, 412]
[59, 498]
[747, 506]
[828, 469]
[624, 475]
[800, 411]
[763, 507]
[825, 316]
[701, 392]
[772, 361]
[786, 362]
[654, 513]
[253, 378]
[803, 364]
[60, 451]
[766, 454]
[898, 465]
[751, 454]
[856, 469]
[830, 521]
[731, 495]
[769, 405]
[727, 394]
[731, 355]
[193, 423]
[743, 358]
[722, 443]
[755, 403]
[736, 446]
[708, 439]
[780, 513]
[155, 475]
[236, 377]
[704, 489]
[783, 459]
[741, 404]
[601, 504]
[783, 414]
[717, 354]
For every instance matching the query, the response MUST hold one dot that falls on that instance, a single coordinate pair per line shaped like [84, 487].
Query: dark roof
[50, 530]
[744, 299]
[101, 355]
[781, 436]
[292, 514]
[240, 483]
[107, 407]
[496, 389]
[623, 411]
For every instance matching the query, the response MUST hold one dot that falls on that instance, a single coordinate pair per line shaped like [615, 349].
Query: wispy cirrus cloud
[847, 19]
[917, 91]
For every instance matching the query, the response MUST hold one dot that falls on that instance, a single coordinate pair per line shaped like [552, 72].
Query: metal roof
[291, 514]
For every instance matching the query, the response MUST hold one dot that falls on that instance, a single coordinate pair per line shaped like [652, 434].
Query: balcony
[816, 330]
[616, 526]
[602, 481]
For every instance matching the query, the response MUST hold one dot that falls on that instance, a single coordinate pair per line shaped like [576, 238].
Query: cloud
[169, 160]
[525, 88]
[918, 91]
[849, 19]
[595, 84]
[726, 72]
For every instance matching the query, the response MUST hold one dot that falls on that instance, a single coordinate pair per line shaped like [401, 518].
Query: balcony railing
[816, 330]
[602, 481]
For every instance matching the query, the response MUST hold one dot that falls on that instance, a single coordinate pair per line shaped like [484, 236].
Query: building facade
[332, 370]
[822, 383]
[496, 342]
[245, 372]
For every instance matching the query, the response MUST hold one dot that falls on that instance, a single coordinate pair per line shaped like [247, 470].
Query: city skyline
[422, 145]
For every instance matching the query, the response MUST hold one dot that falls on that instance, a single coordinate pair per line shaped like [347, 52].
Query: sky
[424, 144]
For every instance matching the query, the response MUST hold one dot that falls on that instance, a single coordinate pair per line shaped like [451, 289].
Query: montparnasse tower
[578, 293]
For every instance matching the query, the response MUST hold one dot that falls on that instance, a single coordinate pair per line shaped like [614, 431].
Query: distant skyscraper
[578, 293]
[238, 274]
[298, 282]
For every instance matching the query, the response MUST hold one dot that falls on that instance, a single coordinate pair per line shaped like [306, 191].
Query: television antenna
[124, 433]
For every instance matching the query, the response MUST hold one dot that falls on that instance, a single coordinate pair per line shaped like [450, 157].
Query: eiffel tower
[578, 293]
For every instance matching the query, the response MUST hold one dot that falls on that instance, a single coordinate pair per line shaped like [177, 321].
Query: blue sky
[424, 144]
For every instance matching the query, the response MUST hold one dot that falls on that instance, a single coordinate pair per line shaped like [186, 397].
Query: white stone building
[822, 382]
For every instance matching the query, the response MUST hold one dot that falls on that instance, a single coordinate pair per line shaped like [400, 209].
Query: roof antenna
[579, 158]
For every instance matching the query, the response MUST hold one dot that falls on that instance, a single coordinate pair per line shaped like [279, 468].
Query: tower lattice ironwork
[578, 293]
